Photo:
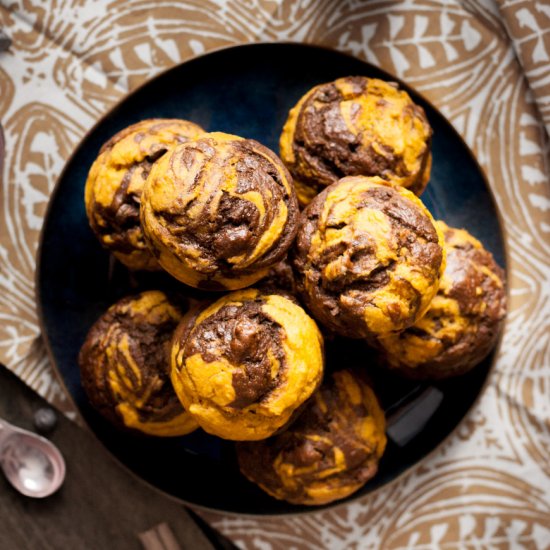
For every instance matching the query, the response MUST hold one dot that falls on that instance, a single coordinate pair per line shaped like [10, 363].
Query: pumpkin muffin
[219, 211]
[115, 183]
[244, 365]
[328, 453]
[280, 278]
[368, 257]
[356, 126]
[464, 319]
[124, 364]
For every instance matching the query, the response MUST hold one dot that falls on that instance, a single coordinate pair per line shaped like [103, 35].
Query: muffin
[245, 364]
[219, 211]
[280, 278]
[331, 450]
[368, 257]
[125, 363]
[115, 183]
[464, 319]
[356, 126]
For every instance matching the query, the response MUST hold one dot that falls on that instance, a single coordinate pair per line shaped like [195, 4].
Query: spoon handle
[5, 429]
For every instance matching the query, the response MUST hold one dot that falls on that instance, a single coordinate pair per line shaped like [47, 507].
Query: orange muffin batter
[368, 257]
[124, 364]
[464, 319]
[331, 450]
[356, 126]
[244, 365]
[219, 211]
[115, 183]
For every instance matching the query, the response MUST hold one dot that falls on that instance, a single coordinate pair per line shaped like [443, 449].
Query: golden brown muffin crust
[329, 452]
[220, 211]
[367, 257]
[124, 365]
[115, 183]
[356, 126]
[244, 364]
[463, 321]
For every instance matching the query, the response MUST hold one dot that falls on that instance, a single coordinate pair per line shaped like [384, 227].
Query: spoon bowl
[31, 463]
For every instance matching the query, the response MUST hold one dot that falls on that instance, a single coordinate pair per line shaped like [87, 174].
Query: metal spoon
[32, 464]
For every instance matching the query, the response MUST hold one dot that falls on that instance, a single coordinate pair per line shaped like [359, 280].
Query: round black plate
[246, 90]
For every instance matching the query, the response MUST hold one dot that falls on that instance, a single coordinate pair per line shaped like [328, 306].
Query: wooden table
[100, 506]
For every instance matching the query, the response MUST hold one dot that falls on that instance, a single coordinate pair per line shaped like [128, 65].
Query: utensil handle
[5, 429]
[407, 417]
[159, 537]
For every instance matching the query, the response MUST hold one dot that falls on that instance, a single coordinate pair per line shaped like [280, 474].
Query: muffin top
[356, 126]
[280, 279]
[219, 211]
[368, 257]
[464, 319]
[124, 365]
[115, 183]
[243, 365]
[329, 452]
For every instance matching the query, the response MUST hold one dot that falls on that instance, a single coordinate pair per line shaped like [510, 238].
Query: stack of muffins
[364, 259]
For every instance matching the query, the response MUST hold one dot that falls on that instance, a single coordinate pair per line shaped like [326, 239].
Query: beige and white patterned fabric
[484, 63]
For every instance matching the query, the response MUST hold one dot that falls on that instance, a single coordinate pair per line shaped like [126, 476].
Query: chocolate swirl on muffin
[328, 453]
[280, 279]
[356, 126]
[115, 183]
[368, 257]
[219, 211]
[124, 365]
[464, 319]
[246, 363]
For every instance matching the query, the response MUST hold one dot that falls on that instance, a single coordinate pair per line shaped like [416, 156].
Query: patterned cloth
[484, 63]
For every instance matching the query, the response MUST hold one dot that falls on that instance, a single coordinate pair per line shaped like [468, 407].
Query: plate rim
[61, 380]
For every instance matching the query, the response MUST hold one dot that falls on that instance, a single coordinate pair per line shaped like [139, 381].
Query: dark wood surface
[100, 506]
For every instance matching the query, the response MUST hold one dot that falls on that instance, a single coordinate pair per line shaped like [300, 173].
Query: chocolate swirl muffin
[331, 450]
[115, 183]
[124, 365]
[280, 278]
[368, 257]
[246, 363]
[219, 211]
[356, 126]
[464, 319]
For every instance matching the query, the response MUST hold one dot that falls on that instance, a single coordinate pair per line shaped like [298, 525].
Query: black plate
[246, 90]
